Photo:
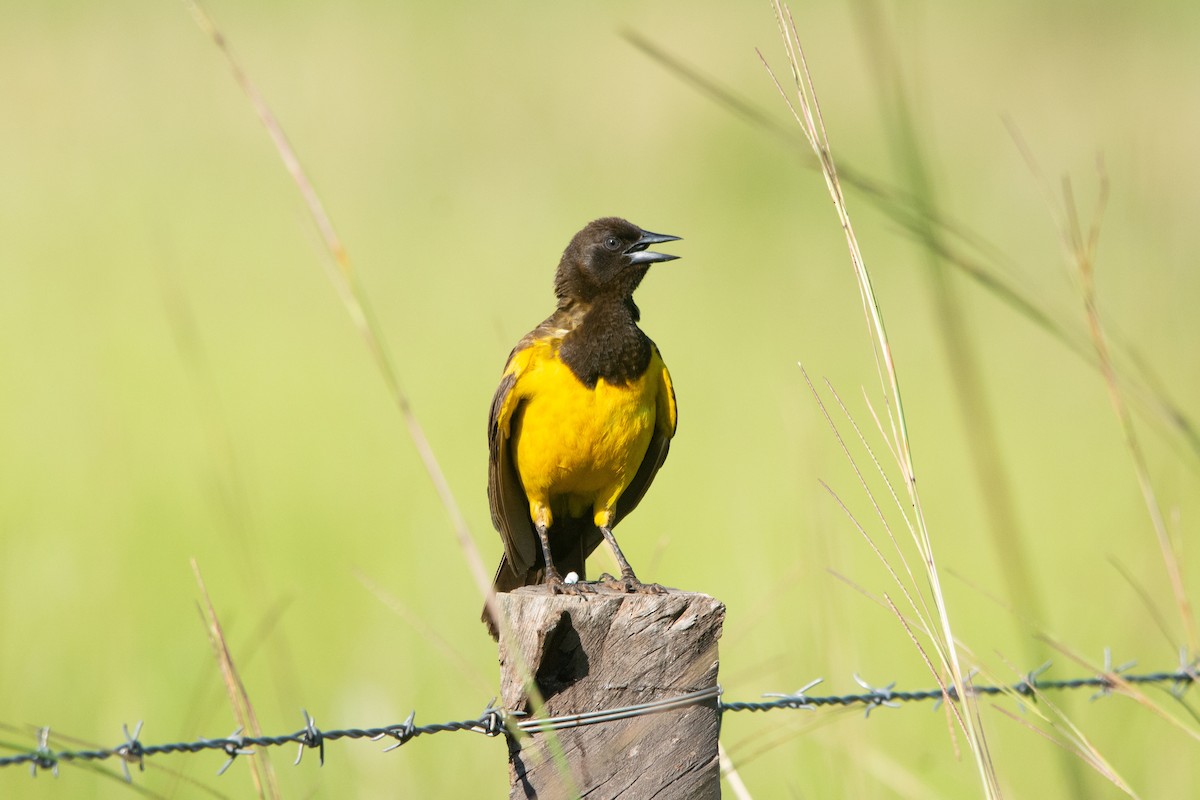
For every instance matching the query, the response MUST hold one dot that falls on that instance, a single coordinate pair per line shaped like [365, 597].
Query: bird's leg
[553, 580]
[628, 582]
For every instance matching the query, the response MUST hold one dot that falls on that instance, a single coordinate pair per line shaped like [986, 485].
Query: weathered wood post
[610, 650]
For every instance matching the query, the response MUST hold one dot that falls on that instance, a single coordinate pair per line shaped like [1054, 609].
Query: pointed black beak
[638, 254]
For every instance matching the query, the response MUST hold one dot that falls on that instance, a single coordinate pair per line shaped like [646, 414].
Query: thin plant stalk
[261, 772]
[1085, 254]
[342, 275]
[1081, 250]
[807, 113]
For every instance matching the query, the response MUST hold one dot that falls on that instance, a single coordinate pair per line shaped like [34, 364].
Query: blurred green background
[178, 378]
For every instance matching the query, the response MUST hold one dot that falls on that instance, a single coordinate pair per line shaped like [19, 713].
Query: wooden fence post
[609, 650]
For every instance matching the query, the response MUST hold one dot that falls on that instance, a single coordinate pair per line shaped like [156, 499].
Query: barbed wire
[494, 721]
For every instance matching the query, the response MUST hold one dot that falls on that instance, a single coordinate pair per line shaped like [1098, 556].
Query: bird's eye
[612, 243]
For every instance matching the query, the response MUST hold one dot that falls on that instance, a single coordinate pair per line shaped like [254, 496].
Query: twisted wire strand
[495, 721]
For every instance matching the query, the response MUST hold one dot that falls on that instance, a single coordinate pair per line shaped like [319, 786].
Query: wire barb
[232, 745]
[43, 757]
[401, 733]
[132, 751]
[1110, 678]
[311, 736]
[1187, 672]
[877, 697]
[492, 720]
[952, 689]
[1029, 686]
[798, 698]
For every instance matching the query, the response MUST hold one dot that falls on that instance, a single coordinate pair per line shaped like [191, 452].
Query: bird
[582, 420]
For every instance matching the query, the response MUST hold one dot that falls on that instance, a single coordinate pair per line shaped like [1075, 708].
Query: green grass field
[178, 378]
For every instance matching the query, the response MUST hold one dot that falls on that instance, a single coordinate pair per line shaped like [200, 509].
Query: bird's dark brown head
[607, 258]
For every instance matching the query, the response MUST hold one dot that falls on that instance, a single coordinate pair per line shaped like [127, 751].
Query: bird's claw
[557, 585]
[629, 584]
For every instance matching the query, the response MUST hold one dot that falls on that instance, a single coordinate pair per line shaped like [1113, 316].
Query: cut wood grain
[607, 650]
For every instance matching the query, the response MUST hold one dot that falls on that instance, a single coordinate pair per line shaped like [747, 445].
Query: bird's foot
[584, 587]
[555, 583]
[629, 584]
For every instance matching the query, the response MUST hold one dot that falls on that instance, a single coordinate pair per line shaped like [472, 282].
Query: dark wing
[660, 441]
[506, 495]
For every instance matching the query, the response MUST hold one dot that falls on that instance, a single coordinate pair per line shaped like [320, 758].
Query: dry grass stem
[807, 113]
[265, 783]
[949, 704]
[430, 634]
[1081, 248]
[730, 774]
[1085, 255]
[342, 276]
[986, 265]
[870, 495]
[355, 303]
[1102, 767]
[1118, 685]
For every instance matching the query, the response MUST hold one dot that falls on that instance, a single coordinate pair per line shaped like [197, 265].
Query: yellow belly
[576, 448]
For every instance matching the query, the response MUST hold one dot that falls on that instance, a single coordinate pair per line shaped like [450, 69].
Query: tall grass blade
[807, 112]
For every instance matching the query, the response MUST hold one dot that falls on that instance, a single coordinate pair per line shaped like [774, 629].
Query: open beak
[638, 254]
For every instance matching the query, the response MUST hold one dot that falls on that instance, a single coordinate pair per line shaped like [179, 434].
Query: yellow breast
[577, 448]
